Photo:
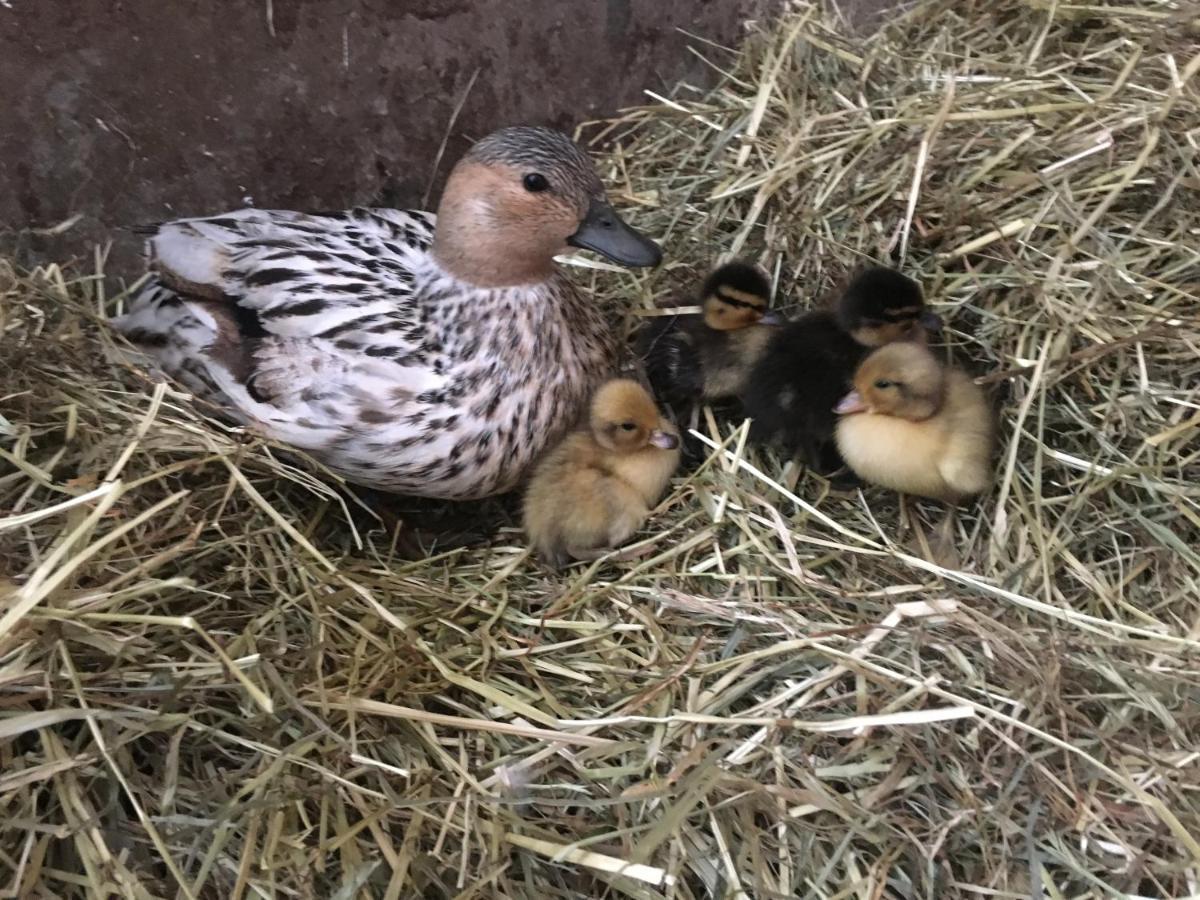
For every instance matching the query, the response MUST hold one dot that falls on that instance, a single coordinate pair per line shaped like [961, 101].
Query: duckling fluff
[808, 363]
[688, 358]
[431, 356]
[595, 489]
[916, 427]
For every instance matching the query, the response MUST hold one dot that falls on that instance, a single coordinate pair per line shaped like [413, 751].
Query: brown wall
[134, 111]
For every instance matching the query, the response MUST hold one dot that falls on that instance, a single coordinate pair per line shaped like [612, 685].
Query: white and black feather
[340, 334]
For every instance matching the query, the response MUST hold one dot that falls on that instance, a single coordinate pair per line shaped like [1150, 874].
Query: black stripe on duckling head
[735, 295]
[880, 305]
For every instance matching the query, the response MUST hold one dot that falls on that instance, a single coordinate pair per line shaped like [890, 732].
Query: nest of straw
[220, 679]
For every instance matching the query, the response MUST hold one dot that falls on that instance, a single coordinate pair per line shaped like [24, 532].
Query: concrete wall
[128, 111]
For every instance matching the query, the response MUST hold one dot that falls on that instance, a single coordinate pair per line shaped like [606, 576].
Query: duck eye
[535, 182]
[628, 426]
[883, 384]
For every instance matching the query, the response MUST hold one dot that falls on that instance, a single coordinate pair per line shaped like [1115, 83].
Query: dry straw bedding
[219, 679]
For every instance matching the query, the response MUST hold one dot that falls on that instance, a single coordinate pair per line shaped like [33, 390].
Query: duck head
[901, 379]
[624, 419]
[880, 306]
[522, 196]
[737, 295]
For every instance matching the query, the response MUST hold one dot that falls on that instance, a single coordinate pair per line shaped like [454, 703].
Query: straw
[220, 676]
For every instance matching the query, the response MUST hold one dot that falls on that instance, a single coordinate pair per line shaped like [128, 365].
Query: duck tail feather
[189, 260]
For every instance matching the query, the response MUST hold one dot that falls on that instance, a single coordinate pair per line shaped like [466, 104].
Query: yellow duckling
[915, 426]
[595, 489]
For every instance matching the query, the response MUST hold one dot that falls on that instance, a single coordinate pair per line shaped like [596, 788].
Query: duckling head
[520, 197]
[624, 419]
[880, 306]
[899, 379]
[737, 295]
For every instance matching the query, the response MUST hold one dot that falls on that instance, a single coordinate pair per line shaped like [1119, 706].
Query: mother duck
[434, 360]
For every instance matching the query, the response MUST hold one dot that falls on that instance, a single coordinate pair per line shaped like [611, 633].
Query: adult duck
[421, 355]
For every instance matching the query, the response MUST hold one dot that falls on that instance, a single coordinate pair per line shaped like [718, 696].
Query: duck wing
[300, 274]
[302, 322]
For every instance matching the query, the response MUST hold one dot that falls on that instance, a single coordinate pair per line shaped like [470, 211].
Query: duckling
[707, 355]
[412, 354]
[595, 489]
[790, 393]
[912, 425]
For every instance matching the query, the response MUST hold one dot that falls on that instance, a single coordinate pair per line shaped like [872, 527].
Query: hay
[220, 680]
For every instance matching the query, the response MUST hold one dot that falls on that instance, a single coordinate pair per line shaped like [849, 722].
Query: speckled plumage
[341, 334]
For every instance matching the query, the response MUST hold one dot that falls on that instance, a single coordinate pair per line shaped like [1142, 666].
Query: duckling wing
[304, 321]
[667, 348]
[966, 462]
[798, 379]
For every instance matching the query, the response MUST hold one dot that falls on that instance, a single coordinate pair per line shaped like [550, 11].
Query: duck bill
[664, 440]
[606, 233]
[931, 322]
[771, 318]
[851, 403]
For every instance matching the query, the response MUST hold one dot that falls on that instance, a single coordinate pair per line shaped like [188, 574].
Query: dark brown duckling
[694, 357]
[807, 366]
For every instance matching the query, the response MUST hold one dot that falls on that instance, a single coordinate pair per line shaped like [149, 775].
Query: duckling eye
[883, 384]
[535, 182]
[628, 426]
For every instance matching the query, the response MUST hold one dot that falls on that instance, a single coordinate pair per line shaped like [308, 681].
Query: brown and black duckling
[595, 489]
[707, 355]
[915, 426]
[791, 392]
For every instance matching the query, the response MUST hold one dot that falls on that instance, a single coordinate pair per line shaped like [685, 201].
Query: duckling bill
[807, 365]
[690, 358]
[595, 489]
[914, 426]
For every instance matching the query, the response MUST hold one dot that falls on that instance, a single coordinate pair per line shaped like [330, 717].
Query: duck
[790, 393]
[429, 355]
[595, 489]
[916, 426]
[694, 357]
